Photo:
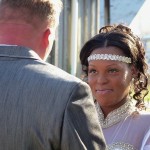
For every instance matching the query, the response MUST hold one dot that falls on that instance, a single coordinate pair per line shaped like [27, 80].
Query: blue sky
[122, 11]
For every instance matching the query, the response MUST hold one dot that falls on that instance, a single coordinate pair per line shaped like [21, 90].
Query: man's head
[32, 21]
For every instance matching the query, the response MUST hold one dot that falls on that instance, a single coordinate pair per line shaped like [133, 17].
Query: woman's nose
[102, 79]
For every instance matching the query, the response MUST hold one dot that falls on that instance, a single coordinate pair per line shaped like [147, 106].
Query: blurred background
[82, 19]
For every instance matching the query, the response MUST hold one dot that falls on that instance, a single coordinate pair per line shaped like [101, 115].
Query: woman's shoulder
[144, 114]
[142, 117]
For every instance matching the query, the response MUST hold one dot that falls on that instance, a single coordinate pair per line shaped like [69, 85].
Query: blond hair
[44, 10]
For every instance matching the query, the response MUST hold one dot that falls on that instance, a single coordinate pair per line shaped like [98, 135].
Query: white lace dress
[125, 128]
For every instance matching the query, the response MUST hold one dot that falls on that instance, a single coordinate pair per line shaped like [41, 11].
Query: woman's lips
[105, 91]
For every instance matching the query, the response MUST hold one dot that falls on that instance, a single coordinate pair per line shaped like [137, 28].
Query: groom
[41, 106]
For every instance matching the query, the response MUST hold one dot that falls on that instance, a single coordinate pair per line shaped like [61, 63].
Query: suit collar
[15, 51]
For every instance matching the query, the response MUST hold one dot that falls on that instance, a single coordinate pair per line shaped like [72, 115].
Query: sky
[122, 11]
[141, 22]
[134, 13]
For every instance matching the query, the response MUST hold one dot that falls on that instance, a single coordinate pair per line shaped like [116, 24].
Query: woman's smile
[104, 91]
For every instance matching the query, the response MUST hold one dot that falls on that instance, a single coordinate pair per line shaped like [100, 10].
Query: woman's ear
[134, 71]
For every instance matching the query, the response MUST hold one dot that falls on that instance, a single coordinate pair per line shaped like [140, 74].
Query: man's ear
[45, 42]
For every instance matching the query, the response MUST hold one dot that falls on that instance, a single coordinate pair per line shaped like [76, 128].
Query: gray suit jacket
[43, 107]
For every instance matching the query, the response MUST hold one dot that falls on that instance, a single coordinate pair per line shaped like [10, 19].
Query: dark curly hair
[122, 37]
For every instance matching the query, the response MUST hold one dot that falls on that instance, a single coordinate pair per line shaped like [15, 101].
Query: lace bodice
[113, 118]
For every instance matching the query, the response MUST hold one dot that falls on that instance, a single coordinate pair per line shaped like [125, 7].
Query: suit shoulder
[49, 73]
[59, 73]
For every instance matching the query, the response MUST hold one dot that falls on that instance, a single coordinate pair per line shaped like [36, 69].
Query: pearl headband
[109, 57]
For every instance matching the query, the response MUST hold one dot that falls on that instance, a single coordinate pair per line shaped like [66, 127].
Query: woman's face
[109, 80]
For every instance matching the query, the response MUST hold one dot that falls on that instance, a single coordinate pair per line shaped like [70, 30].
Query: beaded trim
[109, 57]
[116, 115]
[120, 146]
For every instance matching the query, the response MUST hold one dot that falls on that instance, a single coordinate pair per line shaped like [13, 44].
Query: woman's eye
[91, 71]
[113, 70]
